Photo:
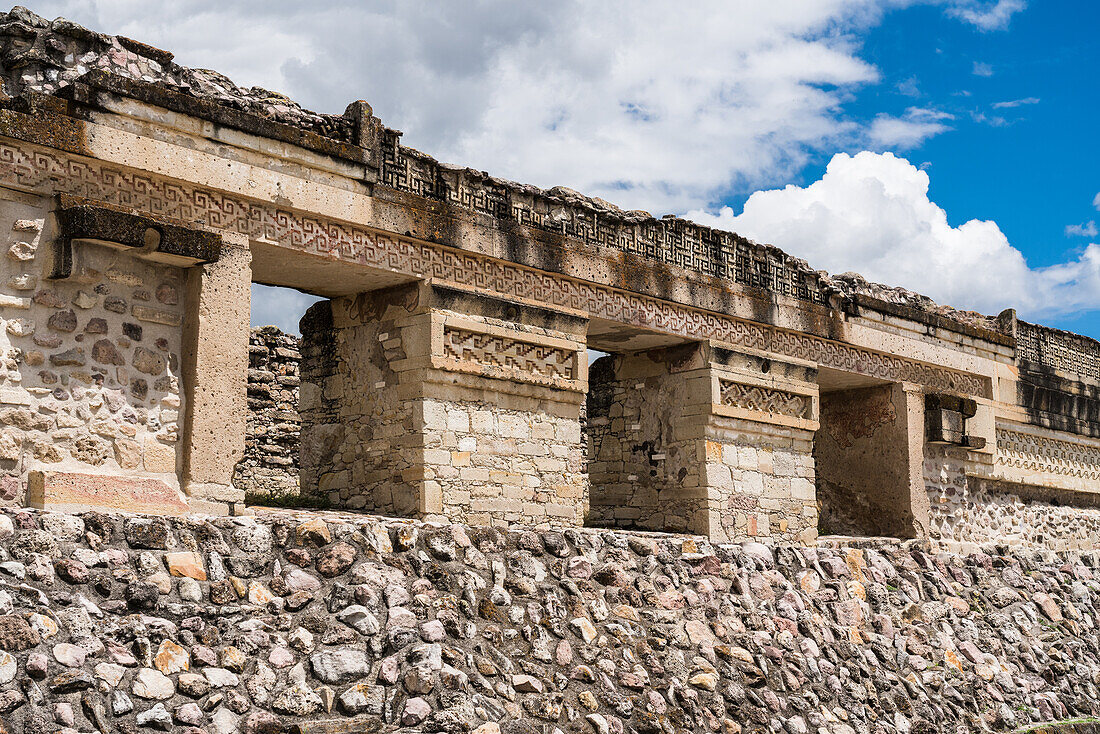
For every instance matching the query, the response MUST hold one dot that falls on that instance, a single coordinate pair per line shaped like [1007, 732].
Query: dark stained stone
[64, 321]
[16, 634]
[105, 352]
[73, 357]
[96, 325]
[146, 533]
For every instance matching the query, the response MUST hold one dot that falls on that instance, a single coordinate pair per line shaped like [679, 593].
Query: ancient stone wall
[969, 510]
[89, 381]
[678, 444]
[863, 462]
[270, 463]
[643, 474]
[358, 442]
[321, 623]
[413, 409]
[1061, 351]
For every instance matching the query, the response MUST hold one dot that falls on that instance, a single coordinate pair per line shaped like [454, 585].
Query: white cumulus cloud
[1088, 229]
[988, 16]
[870, 213]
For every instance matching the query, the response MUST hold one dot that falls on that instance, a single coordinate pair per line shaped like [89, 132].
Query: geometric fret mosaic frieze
[1048, 455]
[37, 168]
[765, 400]
[498, 351]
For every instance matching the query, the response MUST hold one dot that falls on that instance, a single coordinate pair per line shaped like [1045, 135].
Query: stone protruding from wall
[424, 400]
[319, 623]
[869, 455]
[270, 463]
[697, 438]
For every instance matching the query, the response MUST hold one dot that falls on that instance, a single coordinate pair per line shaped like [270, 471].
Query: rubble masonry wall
[89, 377]
[320, 622]
[270, 464]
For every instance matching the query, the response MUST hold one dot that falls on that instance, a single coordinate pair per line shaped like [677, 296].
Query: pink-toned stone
[171, 658]
[185, 564]
[72, 492]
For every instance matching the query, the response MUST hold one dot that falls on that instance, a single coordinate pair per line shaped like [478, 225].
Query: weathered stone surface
[70, 492]
[63, 321]
[16, 634]
[340, 666]
[393, 639]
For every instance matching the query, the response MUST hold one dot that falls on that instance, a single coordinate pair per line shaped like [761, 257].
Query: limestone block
[72, 492]
[159, 457]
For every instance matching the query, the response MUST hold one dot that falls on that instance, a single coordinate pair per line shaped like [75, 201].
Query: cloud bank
[871, 213]
[646, 104]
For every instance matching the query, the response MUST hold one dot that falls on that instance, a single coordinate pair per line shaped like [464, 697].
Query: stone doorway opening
[867, 456]
[287, 371]
[641, 448]
[269, 470]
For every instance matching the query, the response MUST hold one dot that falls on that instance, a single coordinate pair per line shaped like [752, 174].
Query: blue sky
[1034, 167]
[946, 146]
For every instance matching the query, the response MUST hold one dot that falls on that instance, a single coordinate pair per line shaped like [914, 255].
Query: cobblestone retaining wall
[270, 464]
[336, 623]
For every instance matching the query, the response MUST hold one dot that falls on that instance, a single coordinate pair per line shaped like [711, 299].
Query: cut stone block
[72, 492]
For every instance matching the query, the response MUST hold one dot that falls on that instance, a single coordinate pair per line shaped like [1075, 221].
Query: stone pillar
[870, 453]
[439, 402]
[215, 377]
[701, 439]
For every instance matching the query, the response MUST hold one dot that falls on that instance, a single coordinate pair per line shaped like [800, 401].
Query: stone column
[436, 401]
[870, 455]
[215, 377]
[702, 439]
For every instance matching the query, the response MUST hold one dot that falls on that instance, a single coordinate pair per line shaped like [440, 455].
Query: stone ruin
[749, 411]
[269, 467]
[445, 375]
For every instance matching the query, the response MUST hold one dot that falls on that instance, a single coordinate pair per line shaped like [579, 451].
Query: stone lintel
[75, 492]
[149, 238]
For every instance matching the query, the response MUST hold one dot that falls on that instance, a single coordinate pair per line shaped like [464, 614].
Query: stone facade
[444, 376]
[326, 623]
[867, 460]
[270, 463]
[702, 440]
[476, 418]
[1019, 496]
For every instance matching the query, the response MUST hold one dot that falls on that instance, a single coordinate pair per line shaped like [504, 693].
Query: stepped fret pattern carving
[497, 351]
[1058, 349]
[765, 400]
[684, 244]
[30, 167]
[1049, 455]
